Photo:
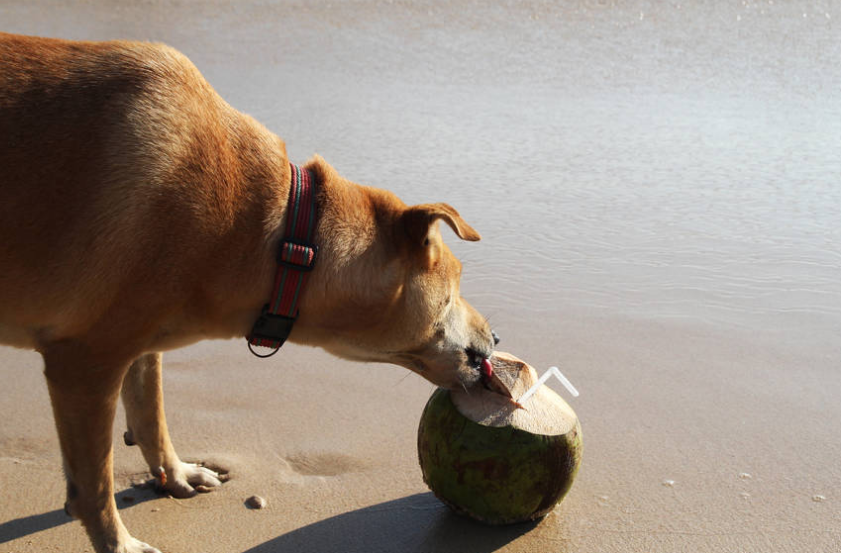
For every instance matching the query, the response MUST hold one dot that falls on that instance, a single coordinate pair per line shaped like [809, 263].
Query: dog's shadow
[414, 524]
[25, 526]
[417, 523]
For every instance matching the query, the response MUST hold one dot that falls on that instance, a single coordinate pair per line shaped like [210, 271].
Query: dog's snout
[475, 357]
[481, 350]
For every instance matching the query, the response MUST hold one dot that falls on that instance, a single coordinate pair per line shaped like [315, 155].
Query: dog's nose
[495, 337]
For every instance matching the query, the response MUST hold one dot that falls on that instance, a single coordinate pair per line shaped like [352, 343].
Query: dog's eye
[426, 242]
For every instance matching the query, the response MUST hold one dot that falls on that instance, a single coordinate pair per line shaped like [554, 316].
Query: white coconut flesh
[545, 413]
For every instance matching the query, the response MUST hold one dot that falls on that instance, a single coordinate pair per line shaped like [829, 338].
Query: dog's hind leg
[84, 395]
[144, 402]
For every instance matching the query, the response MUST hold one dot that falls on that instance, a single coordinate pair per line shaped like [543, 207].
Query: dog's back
[116, 157]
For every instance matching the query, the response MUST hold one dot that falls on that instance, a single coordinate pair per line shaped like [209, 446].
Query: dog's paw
[187, 479]
[135, 546]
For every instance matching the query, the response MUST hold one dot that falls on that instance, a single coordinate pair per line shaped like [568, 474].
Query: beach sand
[657, 191]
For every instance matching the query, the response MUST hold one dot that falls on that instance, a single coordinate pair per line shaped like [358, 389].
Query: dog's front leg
[84, 397]
[144, 402]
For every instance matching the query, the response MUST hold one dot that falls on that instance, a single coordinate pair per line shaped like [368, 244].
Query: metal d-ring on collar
[295, 259]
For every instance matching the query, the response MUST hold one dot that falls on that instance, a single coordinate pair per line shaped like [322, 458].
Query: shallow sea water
[657, 159]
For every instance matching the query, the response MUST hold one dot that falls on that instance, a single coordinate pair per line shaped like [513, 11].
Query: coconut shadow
[417, 523]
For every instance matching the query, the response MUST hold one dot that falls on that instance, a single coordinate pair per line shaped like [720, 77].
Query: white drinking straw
[549, 372]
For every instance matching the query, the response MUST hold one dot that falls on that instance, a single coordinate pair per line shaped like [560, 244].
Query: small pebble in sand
[745, 495]
[669, 483]
[745, 475]
[255, 502]
[818, 498]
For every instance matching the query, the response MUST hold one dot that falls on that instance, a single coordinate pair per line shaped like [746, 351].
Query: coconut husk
[489, 459]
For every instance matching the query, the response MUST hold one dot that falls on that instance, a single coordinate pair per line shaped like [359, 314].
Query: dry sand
[657, 190]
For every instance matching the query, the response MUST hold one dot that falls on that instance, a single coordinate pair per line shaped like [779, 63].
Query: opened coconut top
[544, 413]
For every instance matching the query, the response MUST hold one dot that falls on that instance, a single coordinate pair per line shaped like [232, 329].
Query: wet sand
[657, 188]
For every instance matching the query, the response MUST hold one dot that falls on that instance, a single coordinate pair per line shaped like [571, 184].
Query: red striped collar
[295, 259]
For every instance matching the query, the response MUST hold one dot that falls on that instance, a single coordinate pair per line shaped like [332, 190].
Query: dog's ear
[419, 218]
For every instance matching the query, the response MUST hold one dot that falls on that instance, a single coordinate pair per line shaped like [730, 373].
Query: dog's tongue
[487, 368]
[491, 380]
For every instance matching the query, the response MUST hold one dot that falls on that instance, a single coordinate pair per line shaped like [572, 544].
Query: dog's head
[450, 338]
[387, 288]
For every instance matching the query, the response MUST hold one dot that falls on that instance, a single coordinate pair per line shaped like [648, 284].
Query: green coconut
[489, 459]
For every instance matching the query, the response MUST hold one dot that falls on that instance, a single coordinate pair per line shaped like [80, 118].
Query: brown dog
[139, 212]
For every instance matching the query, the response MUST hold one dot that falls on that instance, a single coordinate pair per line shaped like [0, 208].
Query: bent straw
[549, 372]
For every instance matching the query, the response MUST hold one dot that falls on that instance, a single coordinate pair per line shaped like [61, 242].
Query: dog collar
[295, 259]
